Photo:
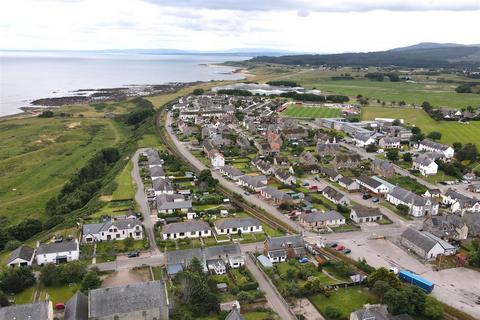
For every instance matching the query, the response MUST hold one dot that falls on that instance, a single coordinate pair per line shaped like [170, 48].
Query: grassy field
[437, 93]
[37, 156]
[310, 112]
[125, 188]
[451, 131]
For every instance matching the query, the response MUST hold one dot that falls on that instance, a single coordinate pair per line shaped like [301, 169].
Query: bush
[15, 280]
[12, 245]
[91, 280]
[248, 286]
[46, 114]
[198, 91]
[332, 312]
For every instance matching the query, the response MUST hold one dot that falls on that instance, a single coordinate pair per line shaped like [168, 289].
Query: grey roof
[172, 202]
[162, 185]
[363, 211]
[330, 147]
[408, 197]
[390, 139]
[423, 160]
[31, 311]
[224, 251]
[322, 216]
[57, 247]
[332, 193]
[236, 223]
[232, 171]
[276, 194]
[330, 172]
[153, 157]
[22, 252]
[157, 172]
[434, 145]
[234, 315]
[346, 181]
[456, 195]
[382, 164]
[77, 307]
[363, 136]
[281, 242]
[369, 181]
[121, 224]
[282, 174]
[124, 299]
[187, 226]
[254, 181]
[418, 239]
[183, 256]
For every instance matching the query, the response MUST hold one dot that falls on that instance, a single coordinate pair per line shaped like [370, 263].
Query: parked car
[346, 251]
[303, 260]
[60, 306]
[339, 248]
[134, 254]
[366, 196]
[246, 193]
[332, 244]
[375, 200]
[306, 184]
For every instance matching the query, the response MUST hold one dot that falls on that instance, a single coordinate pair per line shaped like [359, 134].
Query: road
[252, 199]
[141, 199]
[271, 294]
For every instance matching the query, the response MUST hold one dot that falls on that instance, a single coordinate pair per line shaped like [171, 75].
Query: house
[331, 174]
[399, 132]
[144, 300]
[320, 220]
[280, 161]
[187, 229]
[234, 315]
[295, 133]
[32, 311]
[254, 183]
[418, 206]
[347, 161]
[220, 258]
[473, 223]
[425, 165]
[231, 172]
[156, 172]
[217, 160]
[376, 312]
[362, 139]
[431, 146]
[306, 158]
[278, 249]
[162, 186]
[171, 203]
[327, 149]
[57, 252]
[76, 307]
[460, 203]
[451, 196]
[448, 228]
[177, 260]
[119, 229]
[237, 225]
[383, 168]
[433, 193]
[373, 185]
[389, 143]
[362, 214]
[285, 177]
[335, 196]
[153, 158]
[349, 183]
[275, 195]
[263, 166]
[425, 244]
[474, 187]
[20, 257]
[275, 141]
[230, 305]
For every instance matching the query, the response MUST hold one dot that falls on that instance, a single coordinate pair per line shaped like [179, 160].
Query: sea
[29, 75]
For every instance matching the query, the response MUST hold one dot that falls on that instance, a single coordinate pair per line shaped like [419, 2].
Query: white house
[425, 165]
[317, 219]
[231, 172]
[285, 177]
[217, 160]
[362, 140]
[348, 183]
[362, 214]
[389, 143]
[335, 196]
[418, 206]
[112, 230]
[58, 252]
[373, 185]
[162, 186]
[254, 183]
[22, 256]
[237, 225]
[187, 229]
[431, 146]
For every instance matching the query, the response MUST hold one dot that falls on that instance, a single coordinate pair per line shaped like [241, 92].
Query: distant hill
[428, 55]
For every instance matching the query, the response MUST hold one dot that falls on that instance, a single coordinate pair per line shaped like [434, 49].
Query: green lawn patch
[62, 293]
[311, 112]
[125, 188]
[26, 296]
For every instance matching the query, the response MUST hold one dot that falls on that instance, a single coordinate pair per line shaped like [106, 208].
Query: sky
[214, 25]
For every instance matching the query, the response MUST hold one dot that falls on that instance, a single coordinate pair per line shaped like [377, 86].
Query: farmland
[310, 112]
[39, 155]
[452, 131]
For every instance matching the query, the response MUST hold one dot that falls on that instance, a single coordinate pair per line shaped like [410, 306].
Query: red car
[339, 248]
[59, 306]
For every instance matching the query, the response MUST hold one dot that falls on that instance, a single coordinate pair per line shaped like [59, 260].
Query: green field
[37, 156]
[437, 93]
[125, 188]
[310, 112]
[452, 131]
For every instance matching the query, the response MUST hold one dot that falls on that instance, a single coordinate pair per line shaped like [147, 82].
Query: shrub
[15, 280]
[332, 312]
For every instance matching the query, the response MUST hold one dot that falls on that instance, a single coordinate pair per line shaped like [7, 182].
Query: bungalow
[373, 185]
[425, 244]
[177, 260]
[418, 206]
[331, 174]
[275, 195]
[335, 196]
[361, 214]
[112, 230]
[162, 186]
[431, 146]
[383, 168]
[167, 203]
[347, 161]
[306, 158]
[425, 165]
[187, 229]
[320, 220]
[231, 172]
[285, 177]
[451, 196]
[349, 183]
[364, 139]
[220, 258]
[254, 183]
[156, 172]
[327, 149]
[20, 257]
[237, 225]
[448, 228]
[281, 161]
[263, 166]
[153, 158]
[433, 193]
[58, 252]
[278, 249]
[389, 143]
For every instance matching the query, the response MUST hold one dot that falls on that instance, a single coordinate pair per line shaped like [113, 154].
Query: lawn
[408, 183]
[451, 131]
[345, 300]
[38, 155]
[25, 296]
[125, 188]
[62, 293]
[310, 112]
[157, 273]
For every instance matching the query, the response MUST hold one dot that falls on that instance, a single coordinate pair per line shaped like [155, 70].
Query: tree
[128, 243]
[468, 152]
[384, 275]
[332, 312]
[396, 122]
[433, 309]
[15, 280]
[403, 209]
[198, 91]
[3, 300]
[407, 157]
[12, 245]
[371, 148]
[49, 275]
[26, 229]
[434, 135]
[416, 298]
[457, 146]
[392, 155]
[416, 130]
[397, 302]
[380, 288]
[46, 114]
[90, 281]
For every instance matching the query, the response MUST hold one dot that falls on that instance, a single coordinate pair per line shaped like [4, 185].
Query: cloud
[304, 6]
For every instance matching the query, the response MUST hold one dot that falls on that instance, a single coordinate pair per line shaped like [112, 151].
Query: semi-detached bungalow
[348, 183]
[285, 177]
[187, 229]
[275, 195]
[170, 203]
[237, 225]
[254, 183]
[335, 196]
[373, 185]
[231, 172]
[362, 214]
[316, 220]
[278, 249]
